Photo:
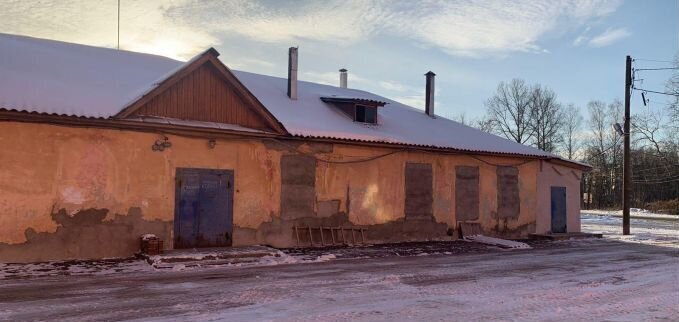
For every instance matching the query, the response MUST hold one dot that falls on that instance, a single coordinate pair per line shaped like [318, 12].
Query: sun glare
[167, 47]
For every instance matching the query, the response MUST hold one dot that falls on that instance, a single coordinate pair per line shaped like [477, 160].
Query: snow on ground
[589, 280]
[66, 268]
[634, 213]
[649, 231]
[496, 242]
[616, 278]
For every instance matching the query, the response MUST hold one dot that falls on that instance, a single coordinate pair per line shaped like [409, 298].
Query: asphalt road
[591, 280]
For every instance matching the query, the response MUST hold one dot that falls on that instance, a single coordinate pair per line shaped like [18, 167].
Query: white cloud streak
[331, 78]
[182, 28]
[609, 36]
[462, 28]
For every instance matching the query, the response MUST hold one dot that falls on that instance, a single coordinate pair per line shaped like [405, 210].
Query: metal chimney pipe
[343, 78]
[292, 73]
[429, 95]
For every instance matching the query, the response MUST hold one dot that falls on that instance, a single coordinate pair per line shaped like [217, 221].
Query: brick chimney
[429, 94]
[292, 73]
[343, 78]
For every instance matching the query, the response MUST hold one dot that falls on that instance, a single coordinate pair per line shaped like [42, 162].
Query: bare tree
[546, 118]
[485, 124]
[653, 132]
[462, 119]
[572, 124]
[509, 111]
[615, 115]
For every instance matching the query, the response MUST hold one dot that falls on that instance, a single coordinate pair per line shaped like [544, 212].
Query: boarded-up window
[466, 193]
[419, 189]
[298, 190]
[508, 202]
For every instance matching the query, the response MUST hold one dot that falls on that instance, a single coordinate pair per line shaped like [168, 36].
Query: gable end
[204, 90]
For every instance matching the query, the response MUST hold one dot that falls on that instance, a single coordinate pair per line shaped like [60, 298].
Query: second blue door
[559, 214]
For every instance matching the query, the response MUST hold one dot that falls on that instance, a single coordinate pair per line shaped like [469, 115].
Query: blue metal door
[203, 208]
[559, 209]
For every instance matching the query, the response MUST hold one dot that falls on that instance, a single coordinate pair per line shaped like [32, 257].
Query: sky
[575, 47]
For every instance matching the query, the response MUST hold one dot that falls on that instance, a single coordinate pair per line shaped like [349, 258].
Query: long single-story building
[100, 146]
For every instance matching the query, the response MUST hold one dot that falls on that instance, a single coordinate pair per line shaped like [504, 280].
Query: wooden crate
[151, 246]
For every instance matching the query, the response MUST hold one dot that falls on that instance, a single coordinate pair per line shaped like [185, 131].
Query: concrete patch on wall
[86, 234]
[504, 228]
[298, 181]
[466, 193]
[281, 233]
[328, 208]
[419, 190]
[508, 200]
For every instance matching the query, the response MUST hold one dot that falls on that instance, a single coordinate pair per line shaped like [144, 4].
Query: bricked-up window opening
[298, 186]
[466, 193]
[419, 189]
[366, 114]
[508, 201]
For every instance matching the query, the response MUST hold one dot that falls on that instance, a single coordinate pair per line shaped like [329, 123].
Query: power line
[657, 182]
[655, 177]
[650, 91]
[663, 103]
[654, 60]
[664, 68]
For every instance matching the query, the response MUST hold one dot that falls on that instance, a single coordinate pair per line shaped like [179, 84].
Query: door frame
[553, 190]
[179, 172]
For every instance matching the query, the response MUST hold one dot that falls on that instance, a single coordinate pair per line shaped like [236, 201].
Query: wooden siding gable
[205, 90]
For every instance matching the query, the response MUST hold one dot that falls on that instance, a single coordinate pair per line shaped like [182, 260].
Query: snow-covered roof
[309, 116]
[52, 77]
[46, 76]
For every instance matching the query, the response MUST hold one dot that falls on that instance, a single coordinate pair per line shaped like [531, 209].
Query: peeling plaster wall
[49, 169]
[558, 176]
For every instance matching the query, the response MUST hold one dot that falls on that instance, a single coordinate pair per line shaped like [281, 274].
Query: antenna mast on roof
[118, 24]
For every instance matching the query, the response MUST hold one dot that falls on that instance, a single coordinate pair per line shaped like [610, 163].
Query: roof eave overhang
[135, 125]
[129, 124]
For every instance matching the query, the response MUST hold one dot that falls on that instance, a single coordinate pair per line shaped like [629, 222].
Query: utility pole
[626, 165]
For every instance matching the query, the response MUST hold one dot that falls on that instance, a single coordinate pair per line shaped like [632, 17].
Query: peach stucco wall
[46, 168]
[557, 175]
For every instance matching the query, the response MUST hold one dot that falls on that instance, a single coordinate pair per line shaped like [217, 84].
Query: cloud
[182, 28]
[331, 78]
[462, 28]
[416, 101]
[144, 26]
[583, 37]
[610, 36]
[394, 86]
[248, 63]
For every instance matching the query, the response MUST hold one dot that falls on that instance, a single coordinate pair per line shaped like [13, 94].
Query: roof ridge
[74, 44]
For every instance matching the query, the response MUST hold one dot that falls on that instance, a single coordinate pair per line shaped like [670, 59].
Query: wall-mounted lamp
[211, 143]
[618, 129]
[161, 145]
